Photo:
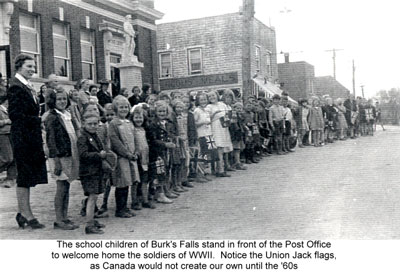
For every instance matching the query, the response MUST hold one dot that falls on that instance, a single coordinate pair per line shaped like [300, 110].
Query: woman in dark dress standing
[26, 138]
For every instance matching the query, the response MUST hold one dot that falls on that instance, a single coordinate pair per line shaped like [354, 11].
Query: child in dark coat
[237, 132]
[160, 135]
[248, 121]
[63, 154]
[91, 154]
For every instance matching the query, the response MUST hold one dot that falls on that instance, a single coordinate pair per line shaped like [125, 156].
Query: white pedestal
[130, 74]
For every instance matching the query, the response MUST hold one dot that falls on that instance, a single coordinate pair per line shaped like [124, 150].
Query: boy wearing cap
[276, 122]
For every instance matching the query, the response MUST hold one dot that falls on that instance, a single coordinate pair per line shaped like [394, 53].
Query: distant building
[296, 78]
[327, 85]
[212, 53]
[77, 38]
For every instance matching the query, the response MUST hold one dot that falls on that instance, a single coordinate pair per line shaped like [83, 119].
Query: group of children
[328, 120]
[154, 150]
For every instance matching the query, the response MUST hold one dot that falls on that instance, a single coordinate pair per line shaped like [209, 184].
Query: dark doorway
[115, 81]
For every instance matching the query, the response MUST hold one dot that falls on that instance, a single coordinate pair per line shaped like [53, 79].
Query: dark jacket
[361, 110]
[133, 100]
[192, 132]
[103, 98]
[330, 113]
[236, 128]
[89, 148]
[351, 106]
[57, 137]
[26, 134]
[158, 136]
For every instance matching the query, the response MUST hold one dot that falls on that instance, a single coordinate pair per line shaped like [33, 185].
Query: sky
[364, 31]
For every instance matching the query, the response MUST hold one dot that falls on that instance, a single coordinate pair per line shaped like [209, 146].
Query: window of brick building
[195, 61]
[166, 65]
[87, 54]
[115, 58]
[258, 58]
[30, 38]
[61, 41]
[268, 63]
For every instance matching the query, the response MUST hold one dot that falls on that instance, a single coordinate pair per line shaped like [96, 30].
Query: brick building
[297, 78]
[215, 53]
[77, 38]
[328, 85]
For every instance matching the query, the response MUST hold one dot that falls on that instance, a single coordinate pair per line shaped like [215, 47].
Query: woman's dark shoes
[21, 220]
[34, 224]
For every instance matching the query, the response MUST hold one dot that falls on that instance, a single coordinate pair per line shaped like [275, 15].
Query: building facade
[327, 85]
[210, 53]
[297, 79]
[77, 39]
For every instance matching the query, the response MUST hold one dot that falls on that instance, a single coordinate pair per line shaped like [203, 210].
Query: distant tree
[394, 93]
[383, 95]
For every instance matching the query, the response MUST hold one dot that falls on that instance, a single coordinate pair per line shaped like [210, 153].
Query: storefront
[208, 54]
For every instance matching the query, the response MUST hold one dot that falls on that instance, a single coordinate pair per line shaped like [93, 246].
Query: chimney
[248, 8]
[286, 57]
[148, 3]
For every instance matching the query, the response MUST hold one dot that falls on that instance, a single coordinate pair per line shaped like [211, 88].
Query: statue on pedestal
[129, 44]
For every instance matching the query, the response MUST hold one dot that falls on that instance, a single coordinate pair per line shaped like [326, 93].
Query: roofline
[298, 62]
[200, 18]
[270, 27]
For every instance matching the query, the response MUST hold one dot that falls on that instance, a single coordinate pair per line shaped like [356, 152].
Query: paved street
[346, 190]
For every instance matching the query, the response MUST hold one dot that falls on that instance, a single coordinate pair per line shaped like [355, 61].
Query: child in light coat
[122, 138]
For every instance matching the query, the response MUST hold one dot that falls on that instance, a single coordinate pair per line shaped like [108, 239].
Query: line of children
[334, 120]
[150, 150]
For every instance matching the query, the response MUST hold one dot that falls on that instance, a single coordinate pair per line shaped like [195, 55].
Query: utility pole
[247, 42]
[334, 60]
[362, 90]
[354, 79]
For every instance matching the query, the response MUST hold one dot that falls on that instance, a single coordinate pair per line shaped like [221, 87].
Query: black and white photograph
[206, 120]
